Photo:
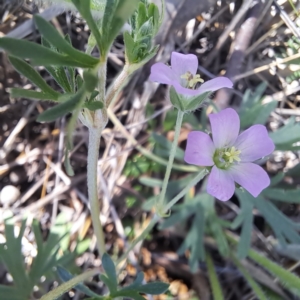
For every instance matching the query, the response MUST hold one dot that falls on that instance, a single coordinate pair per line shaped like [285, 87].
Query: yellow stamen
[192, 80]
[233, 154]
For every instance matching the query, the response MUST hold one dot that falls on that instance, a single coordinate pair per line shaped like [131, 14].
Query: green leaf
[60, 290]
[67, 162]
[54, 38]
[183, 212]
[247, 216]
[61, 109]
[132, 294]
[194, 239]
[154, 13]
[213, 278]
[139, 279]
[94, 105]
[218, 232]
[84, 9]
[57, 72]
[291, 251]
[11, 255]
[255, 287]
[40, 55]
[116, 13]
[30, 73]
[286, 136]
[283, 227]
[108, 283]
[153, 288]
[10, 293]
[288, 279]
[110, 270]
[164, 144]
[90, 79]
[29, 94]
[129, 48]
[278, 194]
[79, 82]
[142, 15]
[47, 251]
[151, 182]
[70, 70]
[65, 276]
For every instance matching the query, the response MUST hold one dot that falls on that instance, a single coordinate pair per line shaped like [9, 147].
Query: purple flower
[230, 155]
[182, 76]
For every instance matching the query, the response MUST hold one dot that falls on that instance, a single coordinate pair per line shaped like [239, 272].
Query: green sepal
[187, 103]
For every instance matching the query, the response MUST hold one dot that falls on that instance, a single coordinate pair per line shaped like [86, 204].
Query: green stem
[160, 205]
[102, 78]
[192, 183]
[92, 163]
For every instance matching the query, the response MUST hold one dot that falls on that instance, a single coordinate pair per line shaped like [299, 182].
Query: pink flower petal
[182, 63]
[220, 184]
[225, 127]
[254, 143]
[215, 84]
[251, 177]
[161, 73]
[199, 149]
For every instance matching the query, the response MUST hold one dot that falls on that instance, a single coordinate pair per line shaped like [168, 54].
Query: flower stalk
[160, 204]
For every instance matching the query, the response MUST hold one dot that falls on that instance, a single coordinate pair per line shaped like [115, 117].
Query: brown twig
[239, 47]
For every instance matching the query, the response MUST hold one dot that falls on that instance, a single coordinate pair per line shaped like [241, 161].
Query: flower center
[191, 79]
[224, 158]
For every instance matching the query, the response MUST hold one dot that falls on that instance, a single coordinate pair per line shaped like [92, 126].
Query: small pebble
[8, 195]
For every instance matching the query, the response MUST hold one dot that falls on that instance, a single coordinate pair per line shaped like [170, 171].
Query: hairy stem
[117, 86]
[93, 149]
[102, 79]
[160, 205]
